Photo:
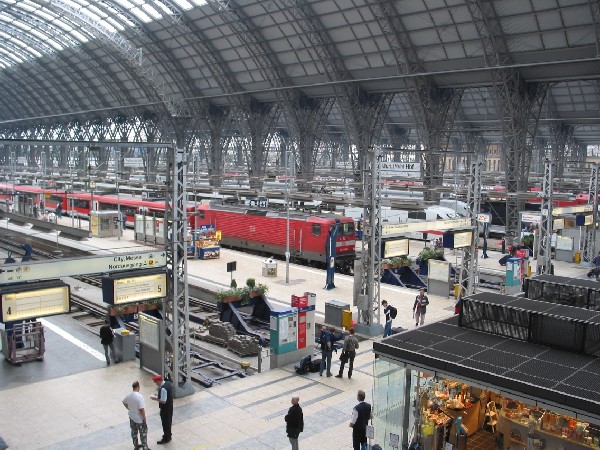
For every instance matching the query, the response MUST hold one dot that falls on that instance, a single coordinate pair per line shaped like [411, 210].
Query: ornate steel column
[589, 239]
[369, 321]
[176, 305]
[468, 268]
[546, 224]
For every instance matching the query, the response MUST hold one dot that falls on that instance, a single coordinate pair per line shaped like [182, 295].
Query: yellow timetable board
[35, 303]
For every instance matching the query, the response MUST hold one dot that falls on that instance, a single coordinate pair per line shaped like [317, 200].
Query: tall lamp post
[118, 209]
[287, 219]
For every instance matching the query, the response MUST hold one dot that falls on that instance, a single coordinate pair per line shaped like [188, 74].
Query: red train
[265, 232]
[257, 230]
[23, 198]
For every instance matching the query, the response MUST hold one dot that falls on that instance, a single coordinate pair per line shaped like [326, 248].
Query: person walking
[165, 404]
[326, 340]
[387, 310]
[348, 354]
[134, 403]
[420, 307]
[361, 414]
[107, 337]
[294, 422]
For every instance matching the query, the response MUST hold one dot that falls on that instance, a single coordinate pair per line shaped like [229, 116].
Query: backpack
[393, 312]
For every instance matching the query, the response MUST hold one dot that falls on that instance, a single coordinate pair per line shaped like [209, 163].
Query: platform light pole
[287, 217]
[118, 209]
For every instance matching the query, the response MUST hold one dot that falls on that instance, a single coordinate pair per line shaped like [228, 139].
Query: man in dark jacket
[294, 422]
[361, 414]
[326, 340]
[348, 354]
[164, 397]
[106, 338]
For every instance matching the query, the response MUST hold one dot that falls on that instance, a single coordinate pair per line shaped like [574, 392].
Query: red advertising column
[301, 302]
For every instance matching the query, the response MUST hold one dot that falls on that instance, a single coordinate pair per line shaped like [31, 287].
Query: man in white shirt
[134, 403]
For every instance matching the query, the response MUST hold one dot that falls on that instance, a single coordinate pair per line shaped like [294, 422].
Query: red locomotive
[265, 232]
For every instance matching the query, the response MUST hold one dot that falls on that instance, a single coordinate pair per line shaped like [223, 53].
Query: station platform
[72, 400]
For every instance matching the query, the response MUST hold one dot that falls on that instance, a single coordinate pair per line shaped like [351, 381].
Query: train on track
[257, 230]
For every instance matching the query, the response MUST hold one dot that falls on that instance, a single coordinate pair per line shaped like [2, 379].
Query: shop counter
[552, 441]
[470, 418]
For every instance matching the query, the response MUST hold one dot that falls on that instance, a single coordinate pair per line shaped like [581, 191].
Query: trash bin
[577, 257]
[269, 268]
[347, 319]
[334, 311]
[124, 345]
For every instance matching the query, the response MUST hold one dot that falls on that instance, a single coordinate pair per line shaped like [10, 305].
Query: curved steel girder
[595, 11]
[133, 56]
[206, 52]
[395, 33]
[19, 110]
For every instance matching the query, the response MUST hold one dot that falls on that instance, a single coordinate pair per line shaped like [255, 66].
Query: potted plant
[258, 290]
[405, 261]
[386, 264]
[229, 295]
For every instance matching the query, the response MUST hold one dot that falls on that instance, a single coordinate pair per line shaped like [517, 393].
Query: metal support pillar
[469, 265]
[369, 320]
[546, 224]
[176, 305]
[589, 240]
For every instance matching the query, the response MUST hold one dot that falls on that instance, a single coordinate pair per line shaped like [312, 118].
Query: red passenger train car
[265, 231]
[79, 204]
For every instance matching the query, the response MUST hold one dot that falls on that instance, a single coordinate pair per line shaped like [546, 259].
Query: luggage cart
[24, 342]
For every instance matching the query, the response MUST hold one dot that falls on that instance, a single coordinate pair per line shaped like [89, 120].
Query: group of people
[40, 212]
[136, 407]
[361, 414]
[294, 419]
[134, 402]
[419, 310]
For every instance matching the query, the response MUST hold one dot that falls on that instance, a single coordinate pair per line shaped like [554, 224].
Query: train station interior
[216, 182]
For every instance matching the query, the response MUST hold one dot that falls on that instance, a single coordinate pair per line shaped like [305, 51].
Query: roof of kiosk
[537, 374]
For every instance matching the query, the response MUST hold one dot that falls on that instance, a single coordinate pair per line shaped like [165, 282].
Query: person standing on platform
[361, 414]
[348, 354]
[134, 403]
[165, 404]
[59, 211]
[387, 310]
[326, 340]
[420, 307]
[294, 422]
[106, 338]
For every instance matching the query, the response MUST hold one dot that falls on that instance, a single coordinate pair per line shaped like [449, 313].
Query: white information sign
[438, 270]
[434, 225]
[558, 224]
[572, 210]
[564, 243]
[527, 218]
[22, 159]
[484, 218]
[138, 289]
[463, 239]
[43, 270]
[149, 331]
[400, 169]
[133, 162]
[37, 303]
[397, 247]
[588, 220]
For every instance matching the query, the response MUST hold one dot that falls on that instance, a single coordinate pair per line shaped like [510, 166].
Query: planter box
[231, 299]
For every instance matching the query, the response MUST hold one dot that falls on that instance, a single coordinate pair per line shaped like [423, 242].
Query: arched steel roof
[79, 57]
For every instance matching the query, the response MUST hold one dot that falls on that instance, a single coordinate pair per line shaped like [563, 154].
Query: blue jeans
[326, 361]
[387, 330]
